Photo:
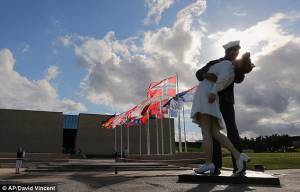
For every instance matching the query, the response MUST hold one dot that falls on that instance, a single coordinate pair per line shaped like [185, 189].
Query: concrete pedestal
[226, 177]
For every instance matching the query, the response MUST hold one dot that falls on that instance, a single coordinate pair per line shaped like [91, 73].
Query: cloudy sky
[99, 56]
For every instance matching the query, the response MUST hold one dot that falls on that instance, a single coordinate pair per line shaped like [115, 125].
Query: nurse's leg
[223, 140]
[205, 125]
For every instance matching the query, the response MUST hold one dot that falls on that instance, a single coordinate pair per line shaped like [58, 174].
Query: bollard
[260, 168]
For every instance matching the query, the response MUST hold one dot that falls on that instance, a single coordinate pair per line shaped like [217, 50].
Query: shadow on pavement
[97, 181]
[24, 176]
[203, 187]
[229, 188]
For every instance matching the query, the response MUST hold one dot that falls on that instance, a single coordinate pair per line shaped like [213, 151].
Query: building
[35, 131]
[55, 132]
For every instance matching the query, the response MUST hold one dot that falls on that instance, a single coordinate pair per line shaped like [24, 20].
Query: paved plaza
[134, 181]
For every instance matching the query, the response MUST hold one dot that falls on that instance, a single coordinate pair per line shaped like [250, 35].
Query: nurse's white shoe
[240, 162]
[204, 168]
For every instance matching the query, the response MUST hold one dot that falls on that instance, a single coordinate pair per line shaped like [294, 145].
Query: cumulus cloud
[25, 48]
[119, 71]
[156, 9]
[194, 9]
[261, 38]
[240, 14]
[52, 72]
[267, 102]
[18, 92]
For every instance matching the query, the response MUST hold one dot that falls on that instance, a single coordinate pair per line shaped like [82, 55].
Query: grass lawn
[270, 160]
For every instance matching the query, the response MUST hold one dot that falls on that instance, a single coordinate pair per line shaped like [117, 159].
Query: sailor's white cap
[231, 44]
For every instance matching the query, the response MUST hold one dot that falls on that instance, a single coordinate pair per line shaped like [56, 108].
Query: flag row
[162, 101]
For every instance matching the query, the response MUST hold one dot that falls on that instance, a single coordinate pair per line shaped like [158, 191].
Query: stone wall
[35, 131]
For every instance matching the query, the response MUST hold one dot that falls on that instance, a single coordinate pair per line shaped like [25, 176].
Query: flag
[156, 109]
[140, 110]
[131, 113]
[134, 122]
[144, 119]
[173, 112]
[165, 87]
[173, 104]
[108, 123]
[152, 103]
[185, 96]
[160, 92]
[119, 120]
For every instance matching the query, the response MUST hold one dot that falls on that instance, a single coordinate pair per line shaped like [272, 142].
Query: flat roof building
[35, 131]
[55, 132]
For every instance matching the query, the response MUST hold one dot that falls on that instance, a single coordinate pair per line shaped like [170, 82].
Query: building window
[70, 122]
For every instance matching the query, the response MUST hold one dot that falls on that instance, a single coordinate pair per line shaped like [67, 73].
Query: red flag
[144, 119]
[165, 87]
[119, 120]
[108, 123]
[130, 113]
[145, 109]
[139, 110]
[156, 109]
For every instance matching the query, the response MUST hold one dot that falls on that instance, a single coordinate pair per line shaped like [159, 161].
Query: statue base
[227, 177]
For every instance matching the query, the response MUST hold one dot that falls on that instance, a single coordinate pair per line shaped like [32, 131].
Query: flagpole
[162, 131]
[121, 141]
[140, 139]
[148, 135]
[179, 127]
[170, 133]
[185, 144]
[157, 142]
[115, 139]
[128, 141]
